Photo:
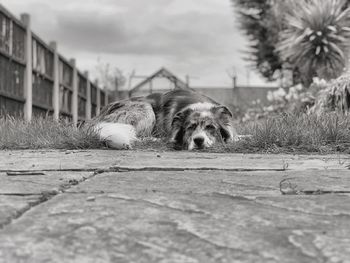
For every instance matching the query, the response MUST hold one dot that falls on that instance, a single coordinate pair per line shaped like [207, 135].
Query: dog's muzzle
[199, 142]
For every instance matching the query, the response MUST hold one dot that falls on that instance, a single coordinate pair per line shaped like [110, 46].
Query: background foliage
[308, 37]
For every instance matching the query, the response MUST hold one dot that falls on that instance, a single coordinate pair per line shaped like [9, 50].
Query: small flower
[299, 87]
[270, 96]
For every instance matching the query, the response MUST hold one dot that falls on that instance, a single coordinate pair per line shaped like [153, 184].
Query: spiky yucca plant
[316, 38]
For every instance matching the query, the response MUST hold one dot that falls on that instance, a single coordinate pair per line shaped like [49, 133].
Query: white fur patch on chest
[201, 106]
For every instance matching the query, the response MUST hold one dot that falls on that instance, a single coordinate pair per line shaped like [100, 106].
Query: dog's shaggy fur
[188, 119]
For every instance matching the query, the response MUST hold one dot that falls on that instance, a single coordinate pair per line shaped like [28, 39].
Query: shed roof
[161, 73]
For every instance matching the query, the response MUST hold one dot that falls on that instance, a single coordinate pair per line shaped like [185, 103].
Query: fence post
[28, 79]
[75, 92]
[56, 83]
[11, 39]
[98, 98]
[88, 97]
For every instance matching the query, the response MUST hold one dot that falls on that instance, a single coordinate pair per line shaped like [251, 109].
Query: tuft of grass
[45, 133]
[289, 133]
[334, 96]
[303, 133]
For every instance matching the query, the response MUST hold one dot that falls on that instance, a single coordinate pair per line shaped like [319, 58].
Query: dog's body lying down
[188, 119]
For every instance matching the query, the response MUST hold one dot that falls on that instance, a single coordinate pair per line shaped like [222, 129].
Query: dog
[186, 118]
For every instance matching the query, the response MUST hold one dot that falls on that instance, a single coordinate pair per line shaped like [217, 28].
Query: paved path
[125, 206]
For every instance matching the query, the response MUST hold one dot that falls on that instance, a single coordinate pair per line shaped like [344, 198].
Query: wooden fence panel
[42, 63]
[110, 98]
[66, 87]
[82, 98]
[12, 77]
[36, 80]
[5, 35]
[12, 66]
[11, 107]
[93, 100]
[102, 99]
[18, 40]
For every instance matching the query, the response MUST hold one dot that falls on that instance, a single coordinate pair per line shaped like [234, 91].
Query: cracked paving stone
[36, 184]
[105, 159]
[18, 194]
[191, 216]
[11, 206]
[94, 206]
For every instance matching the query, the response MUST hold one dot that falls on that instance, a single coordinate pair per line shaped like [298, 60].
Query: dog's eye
[210, 127]
[192, 126]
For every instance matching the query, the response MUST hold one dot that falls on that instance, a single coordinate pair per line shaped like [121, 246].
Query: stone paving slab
[173, 207]
[191, 216]
[105, 159]
[11, 206]
[233, 183]
[37, 184]
[19, 193]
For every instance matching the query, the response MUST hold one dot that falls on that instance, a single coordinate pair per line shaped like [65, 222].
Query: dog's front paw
[127, 146]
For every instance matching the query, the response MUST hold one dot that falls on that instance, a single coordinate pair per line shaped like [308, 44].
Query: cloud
[164, 27]
[89, 32]
[186, 34]
[196, 37]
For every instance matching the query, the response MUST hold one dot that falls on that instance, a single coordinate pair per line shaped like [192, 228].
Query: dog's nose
[198, 141]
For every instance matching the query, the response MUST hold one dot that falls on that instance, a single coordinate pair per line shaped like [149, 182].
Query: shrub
[316, 38]
[259, 21]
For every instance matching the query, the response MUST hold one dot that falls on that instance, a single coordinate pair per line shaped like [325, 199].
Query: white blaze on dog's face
[199, 127]
[200, 130]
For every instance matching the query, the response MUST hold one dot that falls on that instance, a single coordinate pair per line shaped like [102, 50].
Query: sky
[199, 38]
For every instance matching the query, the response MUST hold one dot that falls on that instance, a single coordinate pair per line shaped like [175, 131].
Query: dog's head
[202, 128]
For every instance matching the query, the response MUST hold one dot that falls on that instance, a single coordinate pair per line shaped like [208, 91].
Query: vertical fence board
[42, 64]
[18, 42]
[66, 88]
[93, 100]
[82, 98]
[98, 103]
[102, 99]
[75, 92]
[88, 97]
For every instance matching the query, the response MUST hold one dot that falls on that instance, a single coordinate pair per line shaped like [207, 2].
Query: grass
[45, 133]
[326, 133]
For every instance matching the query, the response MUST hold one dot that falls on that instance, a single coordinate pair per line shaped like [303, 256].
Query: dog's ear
[177, 127]
[227, 132]
[224, 117]
[177, 131]
[222, 111]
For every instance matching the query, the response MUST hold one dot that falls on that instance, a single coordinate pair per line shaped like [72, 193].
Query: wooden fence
[36, 80]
